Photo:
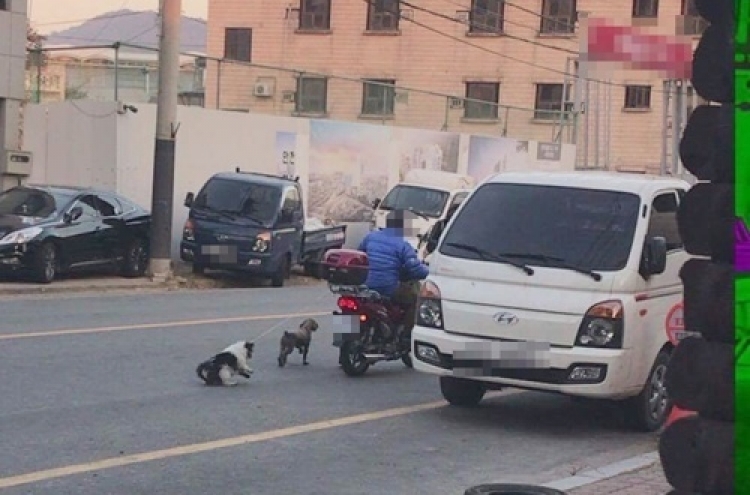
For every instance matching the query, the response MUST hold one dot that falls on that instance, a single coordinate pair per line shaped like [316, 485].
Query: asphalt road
[99, 396]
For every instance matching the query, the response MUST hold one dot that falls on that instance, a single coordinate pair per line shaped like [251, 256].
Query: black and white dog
[232, 361]
[299, 339]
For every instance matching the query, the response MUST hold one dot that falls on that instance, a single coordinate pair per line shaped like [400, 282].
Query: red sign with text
[672, 55]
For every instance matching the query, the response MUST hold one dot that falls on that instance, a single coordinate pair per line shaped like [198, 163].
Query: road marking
[149, 326]
[64, 471]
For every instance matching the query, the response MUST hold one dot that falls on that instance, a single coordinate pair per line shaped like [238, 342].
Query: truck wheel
[44, 264]
[352, 361]
[461, 392]
[406, 359]
[649, 410]
[281, 274]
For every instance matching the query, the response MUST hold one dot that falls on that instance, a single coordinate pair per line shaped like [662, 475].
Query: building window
[646, 8]
[312, 95]
[637, 97]
[238, 44]
[383, 15]
[558, 17]
[484, 91]
[315, 15]
[486, 16]
[548, 101]
[378, 98]
[694, 24]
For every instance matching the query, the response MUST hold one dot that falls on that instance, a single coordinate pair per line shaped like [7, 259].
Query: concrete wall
[12, 73]
[342, 166]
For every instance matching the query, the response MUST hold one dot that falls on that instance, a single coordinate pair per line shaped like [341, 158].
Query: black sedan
[46, 230]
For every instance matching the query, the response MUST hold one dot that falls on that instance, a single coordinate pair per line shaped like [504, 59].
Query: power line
[309, 73]
[514, 59]
[474, 24]
[464, 8]
[108, 21]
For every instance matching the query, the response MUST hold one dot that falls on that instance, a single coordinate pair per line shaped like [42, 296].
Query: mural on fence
[348, 169]
[490, 155]
[426, 149]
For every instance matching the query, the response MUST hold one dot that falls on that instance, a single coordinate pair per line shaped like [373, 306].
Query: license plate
[222, 254]
[490, 356]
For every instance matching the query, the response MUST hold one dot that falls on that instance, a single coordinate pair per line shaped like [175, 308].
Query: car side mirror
[189, 198]
[654, 258]
[375, 203]
[73, 215]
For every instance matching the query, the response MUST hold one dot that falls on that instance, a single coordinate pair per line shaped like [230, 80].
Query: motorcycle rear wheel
[353, 362]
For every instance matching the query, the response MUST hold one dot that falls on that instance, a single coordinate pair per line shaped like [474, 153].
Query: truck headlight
[430, 307]
[262, 242]
[21, 236]
[602, 326]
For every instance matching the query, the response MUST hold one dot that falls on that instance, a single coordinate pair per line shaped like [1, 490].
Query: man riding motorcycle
[394, 267]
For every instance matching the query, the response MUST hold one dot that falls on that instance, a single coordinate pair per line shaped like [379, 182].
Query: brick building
[436, 53]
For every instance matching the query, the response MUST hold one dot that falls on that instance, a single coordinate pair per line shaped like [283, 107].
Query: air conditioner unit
[262, 89]
[455, 103]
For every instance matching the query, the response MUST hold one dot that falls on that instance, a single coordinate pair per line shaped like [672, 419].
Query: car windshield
[545, 226]
[29, 202]
[428, 202]
[244, 199]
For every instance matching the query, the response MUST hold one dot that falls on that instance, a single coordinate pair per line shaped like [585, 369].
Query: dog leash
[283, 322]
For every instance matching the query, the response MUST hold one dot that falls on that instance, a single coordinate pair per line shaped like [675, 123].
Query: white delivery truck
[428, 194]
[564, 282]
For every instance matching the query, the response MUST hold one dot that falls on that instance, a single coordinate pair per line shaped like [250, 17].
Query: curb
[61, 287]
[606, 472]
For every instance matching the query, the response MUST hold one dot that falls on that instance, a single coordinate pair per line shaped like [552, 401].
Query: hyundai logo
[505, 318]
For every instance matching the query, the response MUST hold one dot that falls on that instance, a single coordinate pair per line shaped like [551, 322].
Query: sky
[55, 15]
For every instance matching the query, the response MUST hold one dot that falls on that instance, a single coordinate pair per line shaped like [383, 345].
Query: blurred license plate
[223, 254]
[503, 355]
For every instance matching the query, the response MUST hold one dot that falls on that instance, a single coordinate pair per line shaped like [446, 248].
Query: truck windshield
[249, 200]
[428, 202]
[546, 226]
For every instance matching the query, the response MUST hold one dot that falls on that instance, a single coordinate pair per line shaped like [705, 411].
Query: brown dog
[299, 339]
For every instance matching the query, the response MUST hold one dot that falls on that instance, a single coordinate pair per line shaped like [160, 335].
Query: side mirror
[654, 258]
[189, 198]
[73, 215]
[375, 203]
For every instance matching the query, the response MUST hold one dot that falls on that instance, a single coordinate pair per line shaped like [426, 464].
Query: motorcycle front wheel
[352, 360]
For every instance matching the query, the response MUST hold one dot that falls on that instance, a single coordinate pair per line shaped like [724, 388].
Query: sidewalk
[183, 280]
[640, 475]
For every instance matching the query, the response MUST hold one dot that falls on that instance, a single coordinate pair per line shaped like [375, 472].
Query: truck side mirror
[189, 198]
[375, 203]
[654, 258]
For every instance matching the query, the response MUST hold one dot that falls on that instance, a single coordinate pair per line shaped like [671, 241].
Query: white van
[429, 194]
[562, 282]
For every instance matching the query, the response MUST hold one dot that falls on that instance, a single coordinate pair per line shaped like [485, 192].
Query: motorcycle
[375, 324]
[381, 335]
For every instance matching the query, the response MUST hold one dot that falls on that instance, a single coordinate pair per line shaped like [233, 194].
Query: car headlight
[21, 236]
[262, 242]
[602, 326]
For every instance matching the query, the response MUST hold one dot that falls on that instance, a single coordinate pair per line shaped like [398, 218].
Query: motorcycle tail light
[348, 304]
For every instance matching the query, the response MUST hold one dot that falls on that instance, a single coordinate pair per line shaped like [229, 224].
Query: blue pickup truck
[254, 223]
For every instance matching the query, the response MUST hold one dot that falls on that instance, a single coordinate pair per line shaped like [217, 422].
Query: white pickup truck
[429, 194]
[564, 282]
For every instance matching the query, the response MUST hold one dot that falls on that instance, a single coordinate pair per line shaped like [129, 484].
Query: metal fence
[129, 72]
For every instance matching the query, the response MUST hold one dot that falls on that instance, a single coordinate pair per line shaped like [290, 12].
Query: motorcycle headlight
[21, 236]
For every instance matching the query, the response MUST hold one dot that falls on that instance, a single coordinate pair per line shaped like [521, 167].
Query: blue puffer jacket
[391, 259]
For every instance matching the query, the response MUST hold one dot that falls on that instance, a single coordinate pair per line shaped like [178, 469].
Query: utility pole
[162, 198]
